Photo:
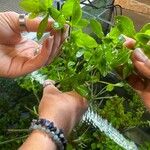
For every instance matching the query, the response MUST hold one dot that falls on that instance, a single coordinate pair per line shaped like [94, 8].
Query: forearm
[38, 140]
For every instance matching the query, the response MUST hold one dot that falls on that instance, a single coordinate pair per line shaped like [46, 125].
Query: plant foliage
[85, 61]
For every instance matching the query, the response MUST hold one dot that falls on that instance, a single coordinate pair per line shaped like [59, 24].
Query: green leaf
[143, 37]
[57, 26]
[67, 8]
[120, 84]
[70, 64]
[48, 3]
[83, 40]
[82, 23]
[77, 13]
[30, 5]
[82, 90]
[56, 15]
[97, 28]
[110, 87]
[87, 55]
[145, 28]
[33, 15]
[42, 27]
[125, 26]
[80, 53]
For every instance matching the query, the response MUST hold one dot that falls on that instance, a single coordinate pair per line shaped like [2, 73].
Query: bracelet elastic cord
[54, 133]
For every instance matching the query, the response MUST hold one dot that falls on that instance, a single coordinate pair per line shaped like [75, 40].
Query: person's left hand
[17, 54]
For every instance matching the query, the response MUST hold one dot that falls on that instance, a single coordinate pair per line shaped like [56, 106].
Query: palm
[16, 59]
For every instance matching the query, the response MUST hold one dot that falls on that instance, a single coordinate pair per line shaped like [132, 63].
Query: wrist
[59, 122]
[38, 140]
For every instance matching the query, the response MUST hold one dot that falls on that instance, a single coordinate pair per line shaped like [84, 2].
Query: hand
[17, 54]
[141, 80]
[64, 109]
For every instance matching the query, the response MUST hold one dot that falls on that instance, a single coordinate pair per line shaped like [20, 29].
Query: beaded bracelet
[54, 133]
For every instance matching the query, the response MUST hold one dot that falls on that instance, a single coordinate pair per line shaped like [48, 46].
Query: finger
[136, 82]
[49, 87]
[65, 33]
[141, 62]
[40, 60]
[129, 42]
[59, 39]
[56, 45]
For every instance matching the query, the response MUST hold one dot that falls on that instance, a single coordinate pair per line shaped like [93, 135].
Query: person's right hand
[141, 80]
[64, 109]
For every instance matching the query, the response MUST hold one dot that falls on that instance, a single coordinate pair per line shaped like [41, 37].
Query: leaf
[120, 84]
[145, 28]
[33, 15]
[82, 90]
[42, 27]
[125, 26]
[128, 69]
[80, 53]
[57, 26]
[67, 8]
[77, 13]
[142, 37]
[82, 23]
[56, 15]
[48, 3]
[110, 87]
[70, 64]
[83, 40]
[97, 28]
[87, 55]
[30, 5]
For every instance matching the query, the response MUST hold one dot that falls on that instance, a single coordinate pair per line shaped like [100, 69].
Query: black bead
[42, 122]
[53, 129]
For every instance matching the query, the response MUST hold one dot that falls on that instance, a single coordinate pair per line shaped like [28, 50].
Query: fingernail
[122, 38]
[140, 55]
[48, 82]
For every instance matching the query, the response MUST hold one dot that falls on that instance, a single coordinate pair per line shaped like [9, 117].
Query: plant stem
[12, 140]
[18, 130]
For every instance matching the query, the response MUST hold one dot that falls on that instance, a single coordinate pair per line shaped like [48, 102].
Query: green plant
[84, 62]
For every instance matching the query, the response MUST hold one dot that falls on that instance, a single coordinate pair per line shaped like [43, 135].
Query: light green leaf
[97, 28]
[56, 15]
[77, 13]
[82, 23]
[83, 40]
[82, 90]
[48, 3]
[110, 87]
[30, 5]
[143, 37]
[67, 8]
[120, 84]
[79, 53]
[125, 25]
[33, 15]
[42, 27]
[87, 55]
[145, 28]
[57, 26]
[70, 64]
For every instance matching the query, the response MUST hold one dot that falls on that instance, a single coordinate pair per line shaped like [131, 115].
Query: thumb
[129, 42]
